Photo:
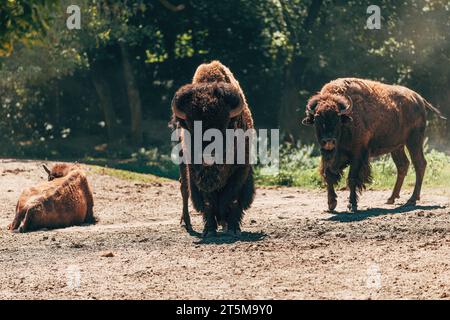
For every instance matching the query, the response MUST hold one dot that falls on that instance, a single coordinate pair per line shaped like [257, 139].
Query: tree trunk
[134, 98]
[290, 101]
[106, 105]
[57, 112]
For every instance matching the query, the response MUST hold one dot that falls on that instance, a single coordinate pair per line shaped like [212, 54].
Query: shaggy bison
[65, 200]
[219, 191]
[357, 119]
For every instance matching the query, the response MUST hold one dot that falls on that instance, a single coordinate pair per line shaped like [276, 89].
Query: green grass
[299, 168]
[127, 175]
[145, 161]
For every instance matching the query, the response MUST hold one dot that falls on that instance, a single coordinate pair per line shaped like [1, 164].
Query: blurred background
[102, 93]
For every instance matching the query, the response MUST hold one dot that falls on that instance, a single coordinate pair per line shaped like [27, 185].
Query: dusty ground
[290, 249]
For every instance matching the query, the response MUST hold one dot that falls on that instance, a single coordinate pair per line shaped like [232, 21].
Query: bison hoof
[234, 232]
[332, 205]
[188, 227]
[209, 233]
[224, 226]
[352, 208]
[390, 201]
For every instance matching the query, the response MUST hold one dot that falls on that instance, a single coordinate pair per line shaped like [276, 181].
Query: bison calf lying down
[357, 119]
[220, 191]
[65, 200]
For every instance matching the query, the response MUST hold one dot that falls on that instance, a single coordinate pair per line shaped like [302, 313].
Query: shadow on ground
[374, 212]
[222, 238]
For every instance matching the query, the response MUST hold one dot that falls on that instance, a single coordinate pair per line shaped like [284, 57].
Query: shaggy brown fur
[356, 119]
[220, 191]
[65, 200]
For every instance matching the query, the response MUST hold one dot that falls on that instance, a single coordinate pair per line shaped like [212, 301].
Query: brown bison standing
[219, 191]
[65, 200]
[357, 119]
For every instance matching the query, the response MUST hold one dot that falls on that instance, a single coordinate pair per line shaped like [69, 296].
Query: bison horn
[348, 109]
[312, 104]
[178, 113]
[237, 111]
[46, 169]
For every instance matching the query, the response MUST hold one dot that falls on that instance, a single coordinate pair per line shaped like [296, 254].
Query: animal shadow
[375, 212]
[223, 238]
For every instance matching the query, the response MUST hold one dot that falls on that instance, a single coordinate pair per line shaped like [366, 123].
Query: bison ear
[346, 119]
[181, 100]
[308, 121]
[310, 107]
[345, 109]
[312, 104]
[229, 95]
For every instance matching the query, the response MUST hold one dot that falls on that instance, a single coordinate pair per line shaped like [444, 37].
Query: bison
[64, 200]
[221, 192]
[357, 119]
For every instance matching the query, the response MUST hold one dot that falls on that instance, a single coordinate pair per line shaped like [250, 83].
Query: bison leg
[209, 216]
[331, 179]
[210, 229]
[359, 174]
[237, 207]
[234, 219]
[185, 218]
[332, 198]
[402, 163]
[89, 219]
[17, 220]
[237, 196]
[415, 147]
[27, 221]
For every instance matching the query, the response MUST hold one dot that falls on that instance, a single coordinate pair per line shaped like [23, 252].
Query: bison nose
[328, 143]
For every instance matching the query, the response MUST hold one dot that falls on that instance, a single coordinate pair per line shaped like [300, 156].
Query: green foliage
[48, 102]
[437, 173]
[24, 21]
[299, 168]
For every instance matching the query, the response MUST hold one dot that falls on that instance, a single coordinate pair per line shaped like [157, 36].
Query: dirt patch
[290, 248]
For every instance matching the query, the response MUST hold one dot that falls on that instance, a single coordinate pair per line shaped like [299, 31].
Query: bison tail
[434, 109]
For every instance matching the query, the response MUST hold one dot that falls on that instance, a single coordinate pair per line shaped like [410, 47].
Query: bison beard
[220, 192]
[356, 119]
[209, 178]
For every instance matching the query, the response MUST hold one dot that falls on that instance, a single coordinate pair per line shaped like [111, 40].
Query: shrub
[299, 167]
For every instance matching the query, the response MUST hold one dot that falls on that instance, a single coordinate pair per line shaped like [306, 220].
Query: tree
[23, 21]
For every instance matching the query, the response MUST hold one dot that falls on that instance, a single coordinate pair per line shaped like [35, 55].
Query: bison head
[60, 170]
[328, 113]
[215, 105]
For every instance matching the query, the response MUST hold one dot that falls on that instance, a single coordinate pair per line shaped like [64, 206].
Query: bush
[299, 167]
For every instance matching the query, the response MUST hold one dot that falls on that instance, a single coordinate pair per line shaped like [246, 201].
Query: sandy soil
[290, 248]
